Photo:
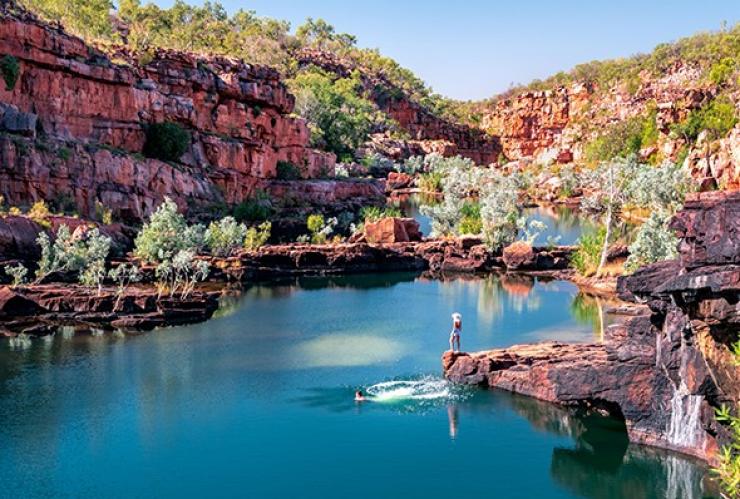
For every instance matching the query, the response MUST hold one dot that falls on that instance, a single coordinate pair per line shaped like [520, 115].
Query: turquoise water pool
[258, 402]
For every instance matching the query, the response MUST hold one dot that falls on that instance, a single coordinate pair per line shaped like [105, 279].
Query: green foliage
[728, 470]
[716, 118]
[471, 222]
[431, 181]
[103, 213]
[588, 252]
[225, 236]
[319, 228]
[340, 117]
[83, 252]
[721, 71]
[654, 242]
[10, 69]
[288, 171]
[123, 275]
[17, 273]
[39, 213]
[166, 234]
[704, 50]
[166, 141]
[87, 18]
[375, 213]
[255, 209]
[181, 273]
[624, 138]
[258, 236]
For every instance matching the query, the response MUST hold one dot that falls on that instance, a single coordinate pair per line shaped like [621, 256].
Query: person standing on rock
[456, 330]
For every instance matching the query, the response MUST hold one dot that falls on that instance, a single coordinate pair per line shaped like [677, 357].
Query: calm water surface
[258, 403]
[564, 225]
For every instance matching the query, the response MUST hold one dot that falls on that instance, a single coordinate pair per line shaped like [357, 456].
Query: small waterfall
[684, 428]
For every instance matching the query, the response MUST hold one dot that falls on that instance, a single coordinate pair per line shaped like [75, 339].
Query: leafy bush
[258, 236]
[342, 118]
[255, 209]
[720, 71]
[166, 234]
[587, 256]
[717, 118]
[288, 171]
[654, 242]
[181, 273]
[18, 273]
[166, 141]
[84, 253]
[124, 275]
[624, 138]
[320, 229]
[224, 236]
[431, 182]
[10, 69]
[39, 213]
[471, 222]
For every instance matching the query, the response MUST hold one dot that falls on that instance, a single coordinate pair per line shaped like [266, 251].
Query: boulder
[392, 230]
[519, 255]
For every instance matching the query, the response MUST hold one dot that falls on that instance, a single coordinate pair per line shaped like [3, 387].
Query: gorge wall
[74, 125]
[429, 133]
[668, 366]
[557, 124]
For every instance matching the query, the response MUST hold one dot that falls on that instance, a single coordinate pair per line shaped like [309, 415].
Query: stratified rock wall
[74, 125]
[665, 369]
[428, 132]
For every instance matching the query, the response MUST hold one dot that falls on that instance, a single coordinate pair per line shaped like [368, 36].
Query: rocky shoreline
[664, 369]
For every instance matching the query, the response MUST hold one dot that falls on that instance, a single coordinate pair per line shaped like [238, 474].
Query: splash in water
[424, 389]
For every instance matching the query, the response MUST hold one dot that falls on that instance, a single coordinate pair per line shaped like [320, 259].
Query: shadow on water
[602, 463]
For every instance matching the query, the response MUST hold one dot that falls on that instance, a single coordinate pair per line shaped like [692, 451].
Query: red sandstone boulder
[392, 230]
[399, 180]
[519, 255]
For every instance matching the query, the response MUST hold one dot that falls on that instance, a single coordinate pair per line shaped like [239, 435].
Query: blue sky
[472, 49]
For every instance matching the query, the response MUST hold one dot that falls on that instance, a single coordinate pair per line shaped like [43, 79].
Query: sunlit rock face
[666, 368]
[75, 124]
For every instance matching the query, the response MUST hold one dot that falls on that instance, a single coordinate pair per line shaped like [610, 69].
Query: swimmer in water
[359, 397]
[456, 330]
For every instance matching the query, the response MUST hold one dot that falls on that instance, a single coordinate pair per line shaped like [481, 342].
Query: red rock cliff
[74, 124]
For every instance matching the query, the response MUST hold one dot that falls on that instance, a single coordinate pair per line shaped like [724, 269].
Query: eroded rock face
[36, 309]
[392, 230]
[666, 368]
[75, 124]
[428, 132]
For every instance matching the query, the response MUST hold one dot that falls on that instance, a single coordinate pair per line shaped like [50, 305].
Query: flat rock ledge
[39, 310]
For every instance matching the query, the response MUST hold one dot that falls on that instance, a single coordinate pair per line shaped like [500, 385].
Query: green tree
[87, 18]
[167, 233]
[339, 117]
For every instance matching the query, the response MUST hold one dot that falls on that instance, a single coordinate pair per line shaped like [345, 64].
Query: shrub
[717, 118]
[103, 213]
[587, 256]
[654, 242]
[18, 273]
[257, 236]
[39, 212]
[124, 275]
[721, 71]
[255, 209]
[10, 69]
[166, 234]
[166, 141]
[471, 222]
[288, 171]
[431, 182]
[341, 118]
[623, 139]
[320, 229]
[84, 253]
[181, 273]
[728, 469]
[224, 236]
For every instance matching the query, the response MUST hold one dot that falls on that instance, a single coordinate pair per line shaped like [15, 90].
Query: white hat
[456, 316]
